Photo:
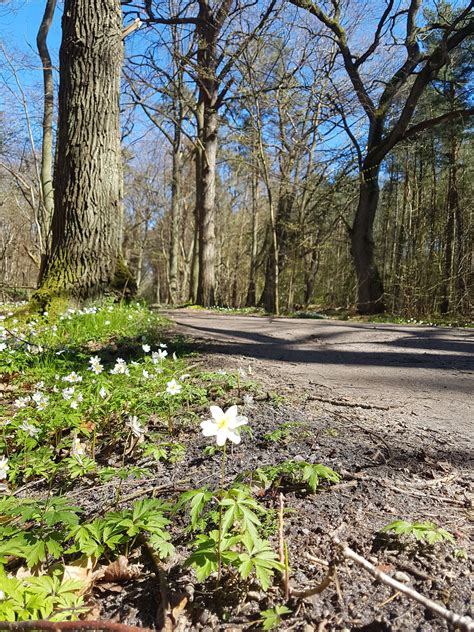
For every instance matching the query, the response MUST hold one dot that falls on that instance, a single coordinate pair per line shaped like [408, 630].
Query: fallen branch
[341, 402]
[281, 547]
[58, 626]
[460, 621]
[316, 590]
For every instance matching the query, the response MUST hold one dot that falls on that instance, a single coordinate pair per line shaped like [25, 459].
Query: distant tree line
[281, 154]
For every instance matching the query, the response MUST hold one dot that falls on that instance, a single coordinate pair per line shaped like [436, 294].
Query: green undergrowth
[96, 398]
[100, 402]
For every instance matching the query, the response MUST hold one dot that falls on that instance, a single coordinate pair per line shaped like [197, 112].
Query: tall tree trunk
[450, 272]
[370, 299]
[252, 282]
[207, 211]
[269, 299]
[198, 158]
[310, 272]
[46, 175]
[85, 256]
[175, 212]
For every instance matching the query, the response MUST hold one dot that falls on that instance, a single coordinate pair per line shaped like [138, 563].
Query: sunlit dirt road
[426, 372]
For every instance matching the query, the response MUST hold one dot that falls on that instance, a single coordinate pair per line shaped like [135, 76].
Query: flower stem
[223, 462]
[119, 487]
[219, 537]
[170, 419]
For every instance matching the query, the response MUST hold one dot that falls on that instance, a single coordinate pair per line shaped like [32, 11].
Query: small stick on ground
[460, 621]
[58, 626]
[330, 575]
[281, 545]
[341, 402]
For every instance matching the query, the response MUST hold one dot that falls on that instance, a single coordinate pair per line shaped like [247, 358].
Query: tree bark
[252, 282]
[85, 257]
[452, 210]
[207, 211]
[175, 214]
[46, 175]
[370, 295]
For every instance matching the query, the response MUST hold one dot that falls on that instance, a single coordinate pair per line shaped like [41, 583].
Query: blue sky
[19, 22]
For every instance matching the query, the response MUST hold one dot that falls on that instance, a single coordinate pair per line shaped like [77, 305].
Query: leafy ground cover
[148, 485]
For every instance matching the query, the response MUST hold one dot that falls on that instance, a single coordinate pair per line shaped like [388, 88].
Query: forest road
[425, 373]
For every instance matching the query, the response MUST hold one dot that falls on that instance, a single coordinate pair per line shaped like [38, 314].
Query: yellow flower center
[223, 423]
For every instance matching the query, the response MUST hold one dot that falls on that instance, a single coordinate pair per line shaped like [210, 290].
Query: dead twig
[281, 545]
[411, 492]
[58, 626]
[316, 560]
[341, 402]
[461, 622]
[316, 590]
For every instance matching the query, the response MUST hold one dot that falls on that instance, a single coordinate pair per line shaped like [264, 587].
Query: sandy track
[423, 372]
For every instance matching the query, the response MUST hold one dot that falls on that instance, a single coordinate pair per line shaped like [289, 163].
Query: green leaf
[197, 498]
[36, 553]
[54, 544]
[421, 531]
[272, 617]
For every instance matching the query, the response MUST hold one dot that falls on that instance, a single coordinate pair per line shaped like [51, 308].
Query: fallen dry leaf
[120, 570]
[172, 621]
[80, 570]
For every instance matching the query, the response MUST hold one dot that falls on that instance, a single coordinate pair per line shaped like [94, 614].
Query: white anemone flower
[68, 393]
[173, 388]
[22, 402]
[77, 449]
[75, 402]
[72, 378]
[146, 348]
[120, 367]
[158, 356]
[95, 365]
[103, 393]
[40, 399]
[4, 467]
[29, 429]
[135, 426]
[223, 425]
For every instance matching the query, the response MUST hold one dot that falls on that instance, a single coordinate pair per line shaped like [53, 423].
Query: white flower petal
[216, 412]
[234, 437]
[221, 436]
[231, 413]
[209, 428]
[240, 420]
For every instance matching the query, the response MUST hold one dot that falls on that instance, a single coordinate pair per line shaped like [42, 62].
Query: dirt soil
[386, 406]
[424, 374]
[367, 402]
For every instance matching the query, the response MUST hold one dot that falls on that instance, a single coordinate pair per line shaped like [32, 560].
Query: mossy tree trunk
[85, 259]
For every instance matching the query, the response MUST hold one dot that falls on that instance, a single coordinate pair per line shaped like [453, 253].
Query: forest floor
[389, 408]
[341, 395]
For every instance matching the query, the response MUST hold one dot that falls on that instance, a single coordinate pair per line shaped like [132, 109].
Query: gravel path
[425, 373]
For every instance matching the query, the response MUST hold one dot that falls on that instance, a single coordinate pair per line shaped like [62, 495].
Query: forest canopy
[283, 154]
